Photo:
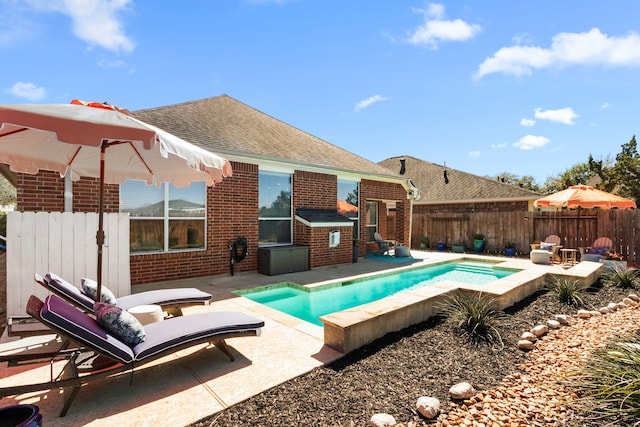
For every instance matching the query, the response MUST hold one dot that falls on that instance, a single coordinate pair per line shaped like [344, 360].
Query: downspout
[68, 192]
[412, 195]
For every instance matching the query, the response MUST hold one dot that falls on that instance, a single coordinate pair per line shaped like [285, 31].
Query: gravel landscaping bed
[390, 374]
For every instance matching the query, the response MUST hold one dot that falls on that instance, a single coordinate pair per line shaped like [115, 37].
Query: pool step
[474, 268]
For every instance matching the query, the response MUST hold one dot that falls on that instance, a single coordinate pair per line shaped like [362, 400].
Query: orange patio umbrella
[584, 196]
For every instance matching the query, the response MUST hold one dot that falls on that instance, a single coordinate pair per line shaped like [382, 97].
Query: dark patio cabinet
[283, 259]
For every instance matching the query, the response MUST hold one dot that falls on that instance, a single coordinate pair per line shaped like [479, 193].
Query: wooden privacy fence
[576, 228]
[64, 243]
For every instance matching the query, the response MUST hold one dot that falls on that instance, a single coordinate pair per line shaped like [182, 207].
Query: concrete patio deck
[182, 388]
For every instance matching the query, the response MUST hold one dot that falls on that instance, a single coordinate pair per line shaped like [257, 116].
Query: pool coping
[355, 327]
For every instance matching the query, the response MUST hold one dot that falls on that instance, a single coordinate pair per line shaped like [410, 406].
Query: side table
[148, 313]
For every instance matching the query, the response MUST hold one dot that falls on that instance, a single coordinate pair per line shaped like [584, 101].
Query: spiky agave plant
[621, 277]
[566, 291]
[475, 315]
[608, 382]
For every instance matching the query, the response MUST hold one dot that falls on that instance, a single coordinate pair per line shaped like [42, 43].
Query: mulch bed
[390, 374]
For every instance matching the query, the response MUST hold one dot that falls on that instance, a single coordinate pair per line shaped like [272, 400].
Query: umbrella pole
[100, 233]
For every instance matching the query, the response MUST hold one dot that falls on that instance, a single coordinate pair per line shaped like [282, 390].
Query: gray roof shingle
[228, 127]
[462, 186]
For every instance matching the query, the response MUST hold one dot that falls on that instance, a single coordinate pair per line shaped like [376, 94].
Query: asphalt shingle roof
[462, 186]
[228, 127]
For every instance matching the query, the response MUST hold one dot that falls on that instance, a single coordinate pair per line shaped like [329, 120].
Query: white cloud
[499, 146]
[529, 142]
[563, 115]
[589, 48]
[436, 29]
[28, 91]
[475, 153]
[606, 105]
[368, 102]
[94, 21]
[527, 122]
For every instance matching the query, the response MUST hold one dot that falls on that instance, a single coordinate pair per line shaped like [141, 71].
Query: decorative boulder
[562, 318]
[525, 345]
[553, 324]
[584, 314]
[461, 391]
[382, 420]
[428, 407]
[528, 336]
[539, 330]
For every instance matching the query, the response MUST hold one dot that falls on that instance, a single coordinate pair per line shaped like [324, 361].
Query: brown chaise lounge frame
[70, 379]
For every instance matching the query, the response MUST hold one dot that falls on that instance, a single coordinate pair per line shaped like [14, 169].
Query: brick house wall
[232, 211]
[376, 190]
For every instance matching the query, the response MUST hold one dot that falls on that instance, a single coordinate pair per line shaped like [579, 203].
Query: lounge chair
[549, 251]
[597, 250]
[170, 298]
[384, 245]
[161, 338]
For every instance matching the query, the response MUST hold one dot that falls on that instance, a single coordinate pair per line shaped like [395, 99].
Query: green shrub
[566, 291]
[609, 382]
[619, 276]
[475, 315]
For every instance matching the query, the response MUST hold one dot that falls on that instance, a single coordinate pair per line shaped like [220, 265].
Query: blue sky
[529, 88]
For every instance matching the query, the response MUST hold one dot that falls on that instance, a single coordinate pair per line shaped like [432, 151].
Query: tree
[526, 181]
[623, 177]
[580, 173]
[7, 192]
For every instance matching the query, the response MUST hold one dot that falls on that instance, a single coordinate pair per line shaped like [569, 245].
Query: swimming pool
[311, 303]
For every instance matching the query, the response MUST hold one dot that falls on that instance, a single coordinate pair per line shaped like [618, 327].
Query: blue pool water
[309, 304]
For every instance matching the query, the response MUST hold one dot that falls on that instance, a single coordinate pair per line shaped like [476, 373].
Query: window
[165, 218]
[371, 220]
[348, 203]
[275, 208]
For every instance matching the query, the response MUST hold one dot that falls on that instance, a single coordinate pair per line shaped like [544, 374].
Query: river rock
[562, 318]
[584, 314]
[461, 391]
[539, 330]
[525, 345]
[528, 336]
[382, 420]
[553, 324]
[634, 297]
[429, 407]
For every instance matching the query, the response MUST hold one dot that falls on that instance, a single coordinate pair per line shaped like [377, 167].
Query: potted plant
[614, 259]
[509, 248]
[458, 247]
[441, 246]
[424, 242]
[478, 242]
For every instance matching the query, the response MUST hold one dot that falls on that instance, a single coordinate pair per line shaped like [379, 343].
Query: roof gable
[229, 127]
[461, 186]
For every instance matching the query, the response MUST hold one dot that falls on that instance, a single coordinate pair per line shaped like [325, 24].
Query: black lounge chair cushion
[177, 331]
[61, 286]
[76, 324]
[160, 297]
[161, 337]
